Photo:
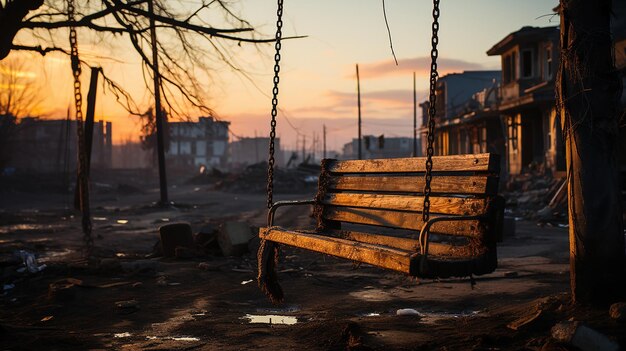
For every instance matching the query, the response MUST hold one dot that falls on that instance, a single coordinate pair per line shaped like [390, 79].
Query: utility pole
[324, 133]
[158, 114]
[414, 118]
[588, 89]
[358, 92]
[303, 148]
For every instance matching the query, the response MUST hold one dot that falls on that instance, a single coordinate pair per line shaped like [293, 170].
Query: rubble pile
[253, 179]
[537, 197]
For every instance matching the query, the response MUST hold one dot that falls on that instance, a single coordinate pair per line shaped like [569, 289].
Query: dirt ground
[213, 303]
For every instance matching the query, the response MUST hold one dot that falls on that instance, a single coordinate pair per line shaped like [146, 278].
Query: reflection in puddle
[270, 319]
[372, 314]
[175, 338]
[434, 317]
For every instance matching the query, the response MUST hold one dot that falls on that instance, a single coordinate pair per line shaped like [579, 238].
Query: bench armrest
[424, 233]
[277, 204]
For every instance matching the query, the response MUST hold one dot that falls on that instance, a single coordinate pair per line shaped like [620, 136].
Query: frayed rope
[267, 278]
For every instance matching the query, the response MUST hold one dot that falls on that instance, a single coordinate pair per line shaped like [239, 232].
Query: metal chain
[270, 162]
[431, 110]
[83, 181]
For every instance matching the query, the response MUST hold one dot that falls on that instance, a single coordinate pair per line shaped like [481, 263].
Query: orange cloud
[419, 65]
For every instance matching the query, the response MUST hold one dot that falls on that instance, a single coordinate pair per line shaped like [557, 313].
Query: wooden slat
[474, 163]
[443, 205]
[402, 220]
[380, 256]
[475, 185]
[434, 249]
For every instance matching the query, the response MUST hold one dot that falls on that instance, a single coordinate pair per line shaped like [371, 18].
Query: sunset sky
[318, 83]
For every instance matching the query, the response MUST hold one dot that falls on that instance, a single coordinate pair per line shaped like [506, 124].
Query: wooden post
[358, 92]
[89, 118]
[589, 88]
[158, 114]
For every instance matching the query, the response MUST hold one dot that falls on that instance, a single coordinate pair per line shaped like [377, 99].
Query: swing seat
[370, 211]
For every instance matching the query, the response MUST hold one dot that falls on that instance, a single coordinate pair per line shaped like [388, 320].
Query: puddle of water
[270, 319]
[286, 309]
[99, 218]
[122, 221]
[175, 338]
[434, 317]
[122, 335]
[371, 314]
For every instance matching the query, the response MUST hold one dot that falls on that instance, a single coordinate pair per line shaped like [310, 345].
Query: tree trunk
[588, 89]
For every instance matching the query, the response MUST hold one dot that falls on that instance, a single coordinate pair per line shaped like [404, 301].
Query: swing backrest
[389, 193]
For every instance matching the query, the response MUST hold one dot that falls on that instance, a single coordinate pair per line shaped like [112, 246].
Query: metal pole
[414, 118]
[157, 105]
[358, 92]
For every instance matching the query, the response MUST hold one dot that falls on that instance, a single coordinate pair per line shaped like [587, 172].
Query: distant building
[129, 155]
[380, 147]
[466, 120]
[247, 151]
[530, 59]
[201, 143]
[50, 145]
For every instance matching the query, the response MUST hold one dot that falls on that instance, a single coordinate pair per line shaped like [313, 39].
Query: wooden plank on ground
[403, 220]
[413, 203]
[474, 185]
[474, 163]
[379, 256]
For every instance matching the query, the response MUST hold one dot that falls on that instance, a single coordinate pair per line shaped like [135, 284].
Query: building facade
[50, 145]
[380, 147]
[529, 59]
[195, 144]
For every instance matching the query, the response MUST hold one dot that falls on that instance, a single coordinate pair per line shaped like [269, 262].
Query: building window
[509, 69]
[527, 64]
[548, 68]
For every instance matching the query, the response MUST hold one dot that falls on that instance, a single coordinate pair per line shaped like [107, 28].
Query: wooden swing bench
[370, 211]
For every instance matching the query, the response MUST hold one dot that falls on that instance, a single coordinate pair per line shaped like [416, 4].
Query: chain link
[432, 99]
[83, 181]
[270, 162]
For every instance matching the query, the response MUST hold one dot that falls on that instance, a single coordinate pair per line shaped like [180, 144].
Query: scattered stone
[407, 312]
[582, 337]
[175, 235]
[126, 307]
[182, 252]
[618, 311]
[233, 238]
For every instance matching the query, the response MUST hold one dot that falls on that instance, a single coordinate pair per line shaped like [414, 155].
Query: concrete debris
[537, 197]
[175, 235]
[233, 238]
[253, 179]
[582, 337]
[618, 311]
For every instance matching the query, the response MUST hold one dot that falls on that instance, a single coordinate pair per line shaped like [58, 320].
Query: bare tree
[19, 97]
[19, 94]
[189, 45]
